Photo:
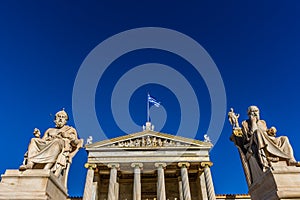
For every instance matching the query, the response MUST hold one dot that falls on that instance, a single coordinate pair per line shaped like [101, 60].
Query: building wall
[219, 197]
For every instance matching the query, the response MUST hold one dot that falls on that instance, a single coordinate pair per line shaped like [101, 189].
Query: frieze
[147, 141]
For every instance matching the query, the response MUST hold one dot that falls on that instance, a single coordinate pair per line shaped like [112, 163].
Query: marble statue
[259, 147]
[206, 138]
[233, 118]
[55, 149]
[89, 140]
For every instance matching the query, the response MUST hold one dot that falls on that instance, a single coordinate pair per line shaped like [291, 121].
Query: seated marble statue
[55, 149]
[262, 143]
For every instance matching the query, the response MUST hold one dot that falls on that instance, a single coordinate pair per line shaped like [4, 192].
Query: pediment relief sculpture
[148, 141]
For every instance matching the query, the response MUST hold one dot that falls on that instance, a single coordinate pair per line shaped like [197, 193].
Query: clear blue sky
[255, 45]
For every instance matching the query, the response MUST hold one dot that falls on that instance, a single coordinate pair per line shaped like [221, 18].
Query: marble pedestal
[281, 183]
[37, 184]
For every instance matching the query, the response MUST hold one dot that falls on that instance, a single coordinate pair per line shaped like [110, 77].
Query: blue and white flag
[154, 101]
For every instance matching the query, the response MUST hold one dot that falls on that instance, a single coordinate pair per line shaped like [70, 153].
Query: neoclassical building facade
[149, 165]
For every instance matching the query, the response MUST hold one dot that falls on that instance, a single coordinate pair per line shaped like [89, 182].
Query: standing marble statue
[233, 118]
[55, 149]
[259, 147]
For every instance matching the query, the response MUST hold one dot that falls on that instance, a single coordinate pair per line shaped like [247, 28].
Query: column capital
[139, 165]
[113, 165]
[163, 165]
[90, 166]
[184, 164]
[206, 164]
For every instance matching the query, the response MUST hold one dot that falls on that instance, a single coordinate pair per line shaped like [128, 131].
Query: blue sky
[255, 46]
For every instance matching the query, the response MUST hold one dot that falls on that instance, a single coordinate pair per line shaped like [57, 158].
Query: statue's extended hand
[36, 132]
[272, 131]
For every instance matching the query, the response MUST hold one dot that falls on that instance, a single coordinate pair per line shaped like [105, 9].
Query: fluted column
[117, 188]
[88, 188]
[180, 188]
[208, 179]
[112, 181]
[185, 180]
[202, 184]
[137, 188]
[161, 189]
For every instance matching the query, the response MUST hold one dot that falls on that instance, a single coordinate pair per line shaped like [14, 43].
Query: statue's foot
[27, 166]
[273, 159]
[294, 163]
[22, 168]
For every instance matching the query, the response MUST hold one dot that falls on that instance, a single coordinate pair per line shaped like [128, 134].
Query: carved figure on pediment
[137, 142]
[121, 144]
[143, 142]
[259, 147]
[165, 143]
[55, 149]
[131, 144]
[148, 141]
[154, 142]
[159, 142]
[126, 144]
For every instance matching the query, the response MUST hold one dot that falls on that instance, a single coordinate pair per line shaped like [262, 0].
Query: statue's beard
[256, 117]
[59, 124]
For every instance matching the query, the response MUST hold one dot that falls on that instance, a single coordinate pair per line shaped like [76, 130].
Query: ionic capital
[206, 164]
[90, 166]
[163, 165]
[137, 165]
[113, 165]
[183, 164]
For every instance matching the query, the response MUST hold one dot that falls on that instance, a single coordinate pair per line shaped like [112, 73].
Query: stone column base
[36, 184]
[281, 183]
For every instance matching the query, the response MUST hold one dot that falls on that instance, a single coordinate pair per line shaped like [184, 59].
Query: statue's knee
[285, 138]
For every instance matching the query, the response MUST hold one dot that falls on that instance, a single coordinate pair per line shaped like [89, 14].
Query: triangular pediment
[148, 139]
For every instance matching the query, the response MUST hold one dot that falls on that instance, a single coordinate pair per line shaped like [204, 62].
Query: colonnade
[183, 181]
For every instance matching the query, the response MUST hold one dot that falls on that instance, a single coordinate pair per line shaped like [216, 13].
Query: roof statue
[258, 145]
[206, 138]
[89, 140]
[55, 150]
[233, 118]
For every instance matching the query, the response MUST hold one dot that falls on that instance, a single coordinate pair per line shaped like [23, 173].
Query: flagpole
[148, 114]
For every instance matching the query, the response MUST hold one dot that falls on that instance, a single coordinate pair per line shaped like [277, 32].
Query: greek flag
[154, 101]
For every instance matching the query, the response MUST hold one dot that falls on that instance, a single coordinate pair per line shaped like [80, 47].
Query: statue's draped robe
[41, 151]
[52, 148]
[263, 143]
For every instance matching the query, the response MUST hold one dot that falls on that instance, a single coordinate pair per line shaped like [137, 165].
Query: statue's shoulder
[263, 122]
[70, 127]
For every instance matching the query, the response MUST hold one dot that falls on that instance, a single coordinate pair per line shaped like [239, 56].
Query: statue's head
[61, 118]
[253, 111]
